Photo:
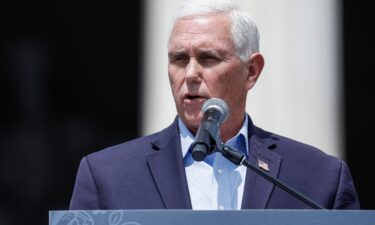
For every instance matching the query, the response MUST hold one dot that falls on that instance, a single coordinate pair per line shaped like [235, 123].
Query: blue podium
[190, 217]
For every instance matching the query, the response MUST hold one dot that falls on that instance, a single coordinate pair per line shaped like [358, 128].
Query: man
[213, 52]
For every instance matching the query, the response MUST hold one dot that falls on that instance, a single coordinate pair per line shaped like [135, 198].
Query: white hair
[244, 31]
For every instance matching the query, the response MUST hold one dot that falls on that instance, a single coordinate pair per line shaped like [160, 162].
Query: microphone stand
[238, 158]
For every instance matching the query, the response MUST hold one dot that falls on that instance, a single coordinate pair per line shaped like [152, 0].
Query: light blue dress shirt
[215, 183]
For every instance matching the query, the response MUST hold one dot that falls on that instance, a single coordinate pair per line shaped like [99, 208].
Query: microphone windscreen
[219, 104]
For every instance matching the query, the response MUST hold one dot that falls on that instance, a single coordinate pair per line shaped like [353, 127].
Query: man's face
[202, 65]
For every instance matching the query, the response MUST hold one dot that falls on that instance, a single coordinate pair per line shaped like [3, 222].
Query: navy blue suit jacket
[148, 173]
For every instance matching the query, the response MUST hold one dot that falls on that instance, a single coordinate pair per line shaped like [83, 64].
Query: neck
[231, 127]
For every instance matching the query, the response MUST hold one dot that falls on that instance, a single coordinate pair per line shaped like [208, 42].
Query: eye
[179, 59]
[209, 60]
[210, 57]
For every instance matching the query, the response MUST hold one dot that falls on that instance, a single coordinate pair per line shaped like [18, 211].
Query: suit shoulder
[135, 149]
[288, 147]
[129, 150]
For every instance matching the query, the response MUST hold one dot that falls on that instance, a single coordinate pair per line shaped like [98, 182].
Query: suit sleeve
[346, 196]
[85, 193]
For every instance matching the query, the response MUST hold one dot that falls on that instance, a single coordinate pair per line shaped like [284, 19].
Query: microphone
[215, 112]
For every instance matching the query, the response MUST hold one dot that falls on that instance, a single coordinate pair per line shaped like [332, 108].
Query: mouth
[194, 98]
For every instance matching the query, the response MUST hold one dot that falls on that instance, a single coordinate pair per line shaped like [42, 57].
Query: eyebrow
[211, 53]
[205, 52]
[177, 53]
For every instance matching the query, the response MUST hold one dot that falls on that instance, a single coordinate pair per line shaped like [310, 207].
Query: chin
[192, 122]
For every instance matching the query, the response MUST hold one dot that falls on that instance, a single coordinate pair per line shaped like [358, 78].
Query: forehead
[202, 31]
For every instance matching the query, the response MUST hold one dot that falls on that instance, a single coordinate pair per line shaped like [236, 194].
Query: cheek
[231, 85]
[171, 81]
[228, 82]
[172, 75]
[175, 80]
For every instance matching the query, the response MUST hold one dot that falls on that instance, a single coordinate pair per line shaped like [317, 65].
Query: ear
[255, 67]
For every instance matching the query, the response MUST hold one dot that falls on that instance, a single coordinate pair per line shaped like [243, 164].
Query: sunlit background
[78, 76]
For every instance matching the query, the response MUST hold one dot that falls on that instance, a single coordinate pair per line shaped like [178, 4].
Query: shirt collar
[187, 138]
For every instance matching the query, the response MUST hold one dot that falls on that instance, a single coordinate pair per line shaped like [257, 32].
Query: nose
[193, 73]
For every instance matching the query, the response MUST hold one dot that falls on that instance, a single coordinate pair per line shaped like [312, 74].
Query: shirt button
[221, 207]
[219, 171]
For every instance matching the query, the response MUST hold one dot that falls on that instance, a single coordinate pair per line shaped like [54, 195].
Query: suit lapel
[257, 191]
[167, 169]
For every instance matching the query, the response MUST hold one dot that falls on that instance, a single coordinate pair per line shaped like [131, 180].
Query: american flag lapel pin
[263, 165]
